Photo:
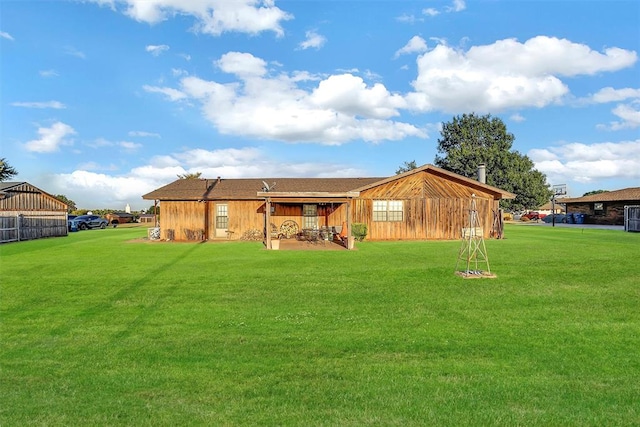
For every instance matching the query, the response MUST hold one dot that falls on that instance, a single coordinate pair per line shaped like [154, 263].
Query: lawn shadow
[125, 292]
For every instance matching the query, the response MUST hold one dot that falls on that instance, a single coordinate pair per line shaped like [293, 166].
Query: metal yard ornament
[472, 257]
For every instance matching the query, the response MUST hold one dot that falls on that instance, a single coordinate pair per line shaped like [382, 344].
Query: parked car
[84, 222]
[557, 218]
[533, 216]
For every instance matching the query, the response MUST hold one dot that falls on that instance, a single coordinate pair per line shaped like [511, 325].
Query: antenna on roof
[266, 188]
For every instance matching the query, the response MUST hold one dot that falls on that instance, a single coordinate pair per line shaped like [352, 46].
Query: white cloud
[7, 36]
[92, 190]
[143, 134]
[177, 72]
[339, 109]
[430, 11]
[126, 146]
[72, 51]
[49, 73]
[408, 19]
[416, 45]
[457, 6]
[517, 118]
[172, 94]
[585, 163]
[609, 94]
[47, 104]
[630, 115]
[243, 65]
[156, 50]
[91, 166]
[51, 138]
[211, 16]
[313, 40]
[129, 146]
[506, 74]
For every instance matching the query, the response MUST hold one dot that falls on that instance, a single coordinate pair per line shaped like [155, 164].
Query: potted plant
[275, 243]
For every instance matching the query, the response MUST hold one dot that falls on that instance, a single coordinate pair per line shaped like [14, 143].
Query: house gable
[22, 196]
[432, 182]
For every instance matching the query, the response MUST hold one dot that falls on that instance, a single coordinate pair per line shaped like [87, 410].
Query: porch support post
[155, 213]
[349, 236]
[267, 225]
[206, 220]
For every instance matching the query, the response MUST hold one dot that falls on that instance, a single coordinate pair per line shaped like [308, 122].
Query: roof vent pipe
[482, 174]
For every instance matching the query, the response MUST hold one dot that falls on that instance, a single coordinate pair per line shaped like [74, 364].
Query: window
[222, 217]
[387, 210]
[598, 208]
[309, 216]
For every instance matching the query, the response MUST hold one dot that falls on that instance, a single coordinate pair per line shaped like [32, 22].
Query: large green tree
[471, 140]
[589, 193]
[71, 205]
[6, 170]
[406, 167]
[192, 175]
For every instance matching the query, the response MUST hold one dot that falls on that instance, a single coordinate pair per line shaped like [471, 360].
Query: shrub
[359, 231]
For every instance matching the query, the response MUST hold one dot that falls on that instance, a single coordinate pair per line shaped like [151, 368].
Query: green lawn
[100, 329]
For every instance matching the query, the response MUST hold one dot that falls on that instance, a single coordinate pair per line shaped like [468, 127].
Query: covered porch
[315, 219]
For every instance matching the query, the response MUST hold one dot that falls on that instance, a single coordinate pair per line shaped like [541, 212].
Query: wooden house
[424, 203]
[27, 213]
[603, 208]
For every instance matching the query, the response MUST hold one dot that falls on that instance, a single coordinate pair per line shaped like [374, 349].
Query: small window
[387, 210]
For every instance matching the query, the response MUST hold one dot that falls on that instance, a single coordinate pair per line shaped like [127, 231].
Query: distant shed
[27, 213]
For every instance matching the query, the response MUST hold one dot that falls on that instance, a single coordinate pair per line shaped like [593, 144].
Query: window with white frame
[309, 216]
[222, 216]
[387, 210]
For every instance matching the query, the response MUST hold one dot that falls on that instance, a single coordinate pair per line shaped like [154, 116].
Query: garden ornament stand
[473, 252]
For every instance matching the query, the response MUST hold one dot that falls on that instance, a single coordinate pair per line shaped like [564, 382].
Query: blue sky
[106, 100]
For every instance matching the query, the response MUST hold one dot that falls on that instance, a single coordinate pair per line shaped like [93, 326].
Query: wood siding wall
[434, 208]
[26, 197]
[182, 220]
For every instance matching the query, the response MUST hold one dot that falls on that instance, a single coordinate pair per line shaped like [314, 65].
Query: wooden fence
[14, 228]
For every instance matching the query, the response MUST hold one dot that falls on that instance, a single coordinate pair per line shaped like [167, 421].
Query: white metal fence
[632, 218]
